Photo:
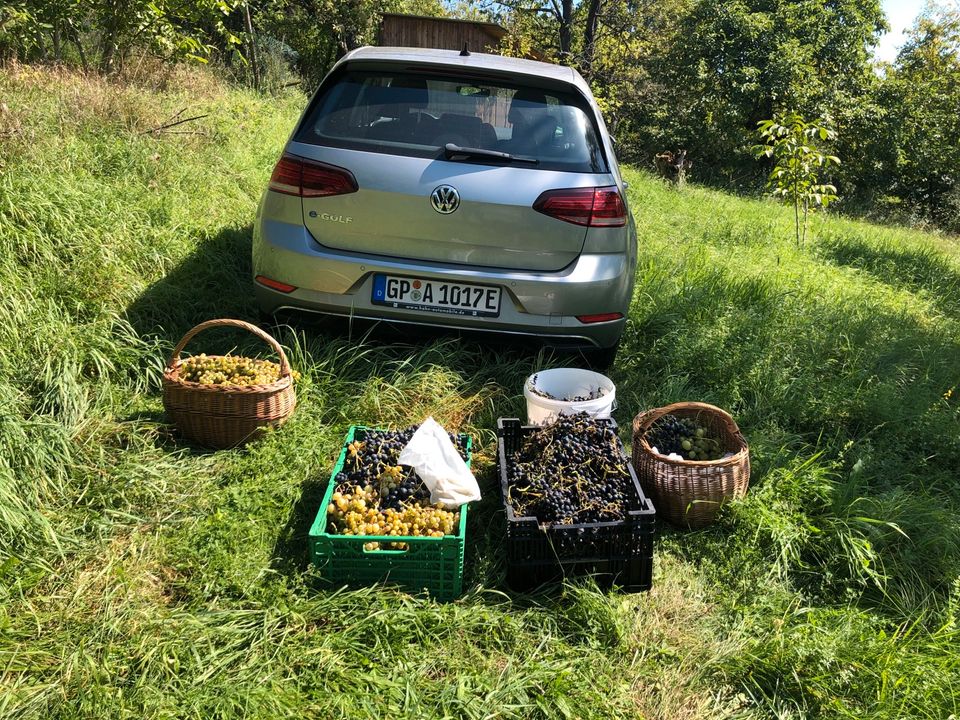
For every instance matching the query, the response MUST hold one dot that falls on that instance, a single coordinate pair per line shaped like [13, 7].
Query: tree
[547, 24]
[632, 37]
[792, 143]
[110, 29]
[41, 29]
[919, 156]
[590, 28]
[321, 31]
[732, 63]
[565, 29]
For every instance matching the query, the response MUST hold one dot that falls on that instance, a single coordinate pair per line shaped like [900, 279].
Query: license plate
[436, 296]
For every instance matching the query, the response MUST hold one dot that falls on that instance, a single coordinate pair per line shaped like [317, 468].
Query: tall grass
[140, 577]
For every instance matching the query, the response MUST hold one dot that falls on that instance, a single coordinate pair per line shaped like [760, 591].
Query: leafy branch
[792, 143]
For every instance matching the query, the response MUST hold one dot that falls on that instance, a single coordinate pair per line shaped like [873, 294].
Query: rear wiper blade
[451, 150]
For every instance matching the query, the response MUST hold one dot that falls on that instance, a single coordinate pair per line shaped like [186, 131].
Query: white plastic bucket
[564, 383]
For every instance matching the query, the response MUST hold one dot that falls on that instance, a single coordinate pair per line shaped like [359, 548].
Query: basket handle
[227, 322]
[643, 421]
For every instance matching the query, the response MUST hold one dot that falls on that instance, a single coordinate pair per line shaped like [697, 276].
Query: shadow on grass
[903, 268]
[214, 281]
[801, 359]
[484, 553]
[291, 550]
[860, 379]
[165, 436]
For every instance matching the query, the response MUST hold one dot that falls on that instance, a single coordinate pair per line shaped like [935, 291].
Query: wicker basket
[689, 493]
[225, 416]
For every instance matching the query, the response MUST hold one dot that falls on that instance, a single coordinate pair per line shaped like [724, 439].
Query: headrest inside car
[526, 99]
[410, 91]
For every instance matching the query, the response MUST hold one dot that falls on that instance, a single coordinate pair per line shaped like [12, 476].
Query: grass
[142, 578]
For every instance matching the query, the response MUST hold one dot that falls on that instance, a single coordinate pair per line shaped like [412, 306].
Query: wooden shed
[397, 30]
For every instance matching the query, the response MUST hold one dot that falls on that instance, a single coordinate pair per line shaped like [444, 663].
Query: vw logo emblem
[445, 199]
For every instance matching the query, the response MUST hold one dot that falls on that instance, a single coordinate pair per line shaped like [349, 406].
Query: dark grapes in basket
[685, 437]
[375, 495]
[570, 472]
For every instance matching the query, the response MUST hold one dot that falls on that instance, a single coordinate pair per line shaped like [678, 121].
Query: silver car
[467, 191]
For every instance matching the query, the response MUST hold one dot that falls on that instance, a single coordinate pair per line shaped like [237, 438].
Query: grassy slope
[139, 578]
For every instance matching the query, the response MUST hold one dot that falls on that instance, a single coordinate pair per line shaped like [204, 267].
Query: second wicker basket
[224, 416]
[690, 493]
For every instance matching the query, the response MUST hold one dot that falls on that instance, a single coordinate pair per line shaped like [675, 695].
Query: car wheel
[601, 359]
[266, 320]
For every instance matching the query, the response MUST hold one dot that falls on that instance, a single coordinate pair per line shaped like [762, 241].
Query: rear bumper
[541, 305]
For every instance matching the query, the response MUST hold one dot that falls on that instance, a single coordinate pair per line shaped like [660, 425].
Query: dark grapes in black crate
[573, 504]
[573, 471]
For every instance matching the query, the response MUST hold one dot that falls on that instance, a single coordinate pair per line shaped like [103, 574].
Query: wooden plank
[402, 31]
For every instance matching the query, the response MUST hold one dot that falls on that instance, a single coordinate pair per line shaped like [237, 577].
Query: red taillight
[320, 180]
[600, 317]
[572, 206]
[306, 178]
[275, 284]
[608, 208]
[286, 175]
[592, 207]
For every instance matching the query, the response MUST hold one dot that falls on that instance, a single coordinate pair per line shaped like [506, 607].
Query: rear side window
[418, 114]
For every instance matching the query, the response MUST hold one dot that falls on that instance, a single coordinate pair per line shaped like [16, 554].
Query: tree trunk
[566, 29]
[590, 38]
[352, 18]
[254, 64]
[796, 217]
[806, 209]
[75, 39]
[330, 56]
[108, 48]
[57, 41]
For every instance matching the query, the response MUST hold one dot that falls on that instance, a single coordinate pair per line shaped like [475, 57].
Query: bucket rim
[606, 399]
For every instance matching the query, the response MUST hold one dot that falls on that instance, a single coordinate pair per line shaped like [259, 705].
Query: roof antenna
[464, 52]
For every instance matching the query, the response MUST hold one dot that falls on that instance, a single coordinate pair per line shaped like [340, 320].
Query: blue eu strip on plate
[379, 287]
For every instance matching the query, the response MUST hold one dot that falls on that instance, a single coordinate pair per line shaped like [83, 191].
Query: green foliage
[669, 75]
[143, 578]
[321, 31]
[108, 31]
[917, 146]
[723, 66]
[700, 75]
[19, 28]
[623, 72]
[791, 142]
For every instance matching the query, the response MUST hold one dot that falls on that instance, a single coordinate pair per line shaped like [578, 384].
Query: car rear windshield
[417, 114]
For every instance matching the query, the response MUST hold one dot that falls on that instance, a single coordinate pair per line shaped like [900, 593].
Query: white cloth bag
[436, 460]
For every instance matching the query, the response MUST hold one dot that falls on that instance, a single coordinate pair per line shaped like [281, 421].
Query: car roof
[474, 61]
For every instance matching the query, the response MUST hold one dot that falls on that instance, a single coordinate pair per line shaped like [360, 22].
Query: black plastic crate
[616, 553]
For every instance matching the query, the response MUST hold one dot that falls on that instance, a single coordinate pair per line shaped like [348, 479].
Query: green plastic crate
[431, 564]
